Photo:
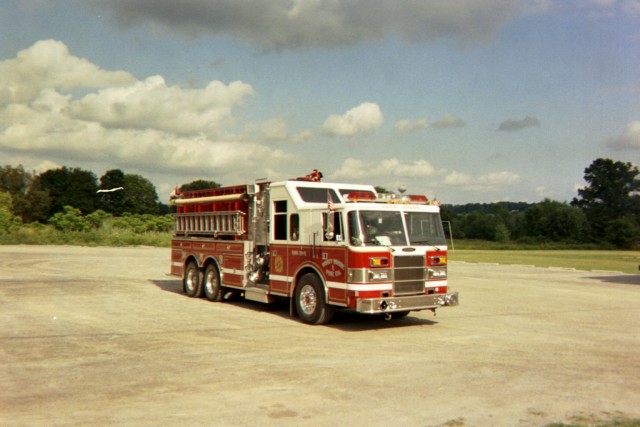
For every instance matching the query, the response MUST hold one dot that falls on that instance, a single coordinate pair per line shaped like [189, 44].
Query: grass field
[588, 260]
[466, 250]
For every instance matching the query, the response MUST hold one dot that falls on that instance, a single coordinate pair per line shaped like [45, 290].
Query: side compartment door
[279, 233]
[179, 250]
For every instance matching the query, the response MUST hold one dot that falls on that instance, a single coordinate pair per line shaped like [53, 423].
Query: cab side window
[332, 221]
[294, 227]
[280, 220]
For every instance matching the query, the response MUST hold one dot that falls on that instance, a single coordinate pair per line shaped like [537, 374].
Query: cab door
[332, 256]
[279, 259]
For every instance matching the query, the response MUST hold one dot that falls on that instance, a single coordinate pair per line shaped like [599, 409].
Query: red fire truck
[320, 245]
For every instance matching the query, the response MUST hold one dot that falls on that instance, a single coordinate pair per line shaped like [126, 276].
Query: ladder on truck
[229, 223]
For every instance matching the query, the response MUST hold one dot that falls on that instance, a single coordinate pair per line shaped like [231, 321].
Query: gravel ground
[102, 336]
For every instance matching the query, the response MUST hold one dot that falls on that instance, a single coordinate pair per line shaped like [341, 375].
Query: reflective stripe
[279, 278]
[369, 287]
[342, 285]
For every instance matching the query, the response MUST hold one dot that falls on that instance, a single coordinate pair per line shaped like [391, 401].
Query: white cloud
[448, 121]
[299, 24]
[274, 130]
[484, 182]
[277, 130]
[355, 169]
[629, 139]
[49, 65]
[361, 119]
[411, 125]
[119, 121]
[458, 179]
[152, 104]
[420, 175]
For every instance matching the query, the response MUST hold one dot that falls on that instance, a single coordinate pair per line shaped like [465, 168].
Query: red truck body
[322, 246]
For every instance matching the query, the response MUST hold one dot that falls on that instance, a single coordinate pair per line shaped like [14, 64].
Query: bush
[8, 221]
[98, 218]
[623, 232]
[70, 219]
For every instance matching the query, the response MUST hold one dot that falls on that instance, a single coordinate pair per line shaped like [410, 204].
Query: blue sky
[467, 101]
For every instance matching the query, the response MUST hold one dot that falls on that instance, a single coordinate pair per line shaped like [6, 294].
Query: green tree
[15, 181]
[623, 232]
[8, 221]
[612, 192]
[199, 184]
[70, 187]
[501, 233]
[554, 221]
[112, 202]
[479, 225]
[36, 204]
[140, 195]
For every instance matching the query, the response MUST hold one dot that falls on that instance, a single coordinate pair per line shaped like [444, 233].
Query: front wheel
[191, 281]
[310, 301]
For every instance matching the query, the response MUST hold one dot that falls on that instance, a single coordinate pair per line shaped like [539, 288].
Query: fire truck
[321, 246]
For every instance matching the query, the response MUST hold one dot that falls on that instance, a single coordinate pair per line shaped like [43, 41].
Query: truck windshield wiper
[424, 242]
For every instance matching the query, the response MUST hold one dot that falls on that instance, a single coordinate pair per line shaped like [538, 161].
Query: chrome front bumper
[407, 303]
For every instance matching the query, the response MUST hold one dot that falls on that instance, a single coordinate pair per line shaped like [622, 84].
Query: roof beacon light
[366, 196]
[417, 198]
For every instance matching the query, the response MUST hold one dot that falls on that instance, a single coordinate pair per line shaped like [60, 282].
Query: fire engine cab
[320, 245]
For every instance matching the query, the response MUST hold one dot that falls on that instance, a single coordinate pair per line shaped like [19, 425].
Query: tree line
[605, 212]
[38, 197]
[73, 199]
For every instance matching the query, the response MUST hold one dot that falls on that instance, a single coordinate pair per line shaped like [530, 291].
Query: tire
[310, 301]
[211, 284]
[191, 281]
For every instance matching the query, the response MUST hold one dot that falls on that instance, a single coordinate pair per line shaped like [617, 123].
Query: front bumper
[407, 303]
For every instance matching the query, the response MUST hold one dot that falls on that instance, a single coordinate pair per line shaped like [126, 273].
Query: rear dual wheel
[211, 283]
[191, 281]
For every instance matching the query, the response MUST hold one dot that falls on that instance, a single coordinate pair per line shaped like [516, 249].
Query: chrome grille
[408, 274]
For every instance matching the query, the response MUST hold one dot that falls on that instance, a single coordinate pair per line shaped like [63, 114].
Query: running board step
[258, 294]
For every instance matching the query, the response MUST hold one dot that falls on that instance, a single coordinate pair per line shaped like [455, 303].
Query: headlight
[378, 275]
[436, 273]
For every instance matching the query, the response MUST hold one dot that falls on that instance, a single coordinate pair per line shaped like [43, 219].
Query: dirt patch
[103, 336]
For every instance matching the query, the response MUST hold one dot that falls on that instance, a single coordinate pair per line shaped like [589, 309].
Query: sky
[466, 101]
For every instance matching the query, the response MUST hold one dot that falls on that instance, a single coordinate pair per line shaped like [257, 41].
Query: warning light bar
[367, 196]
[417, 198]
[364, 196]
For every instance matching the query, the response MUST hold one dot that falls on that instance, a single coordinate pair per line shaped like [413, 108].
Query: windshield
[387, 228]
[425, 228]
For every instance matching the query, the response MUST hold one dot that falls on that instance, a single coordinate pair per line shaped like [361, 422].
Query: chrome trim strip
[408, 303]
[280, 278]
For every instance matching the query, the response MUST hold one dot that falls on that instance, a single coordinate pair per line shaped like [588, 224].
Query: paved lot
[102, 336]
